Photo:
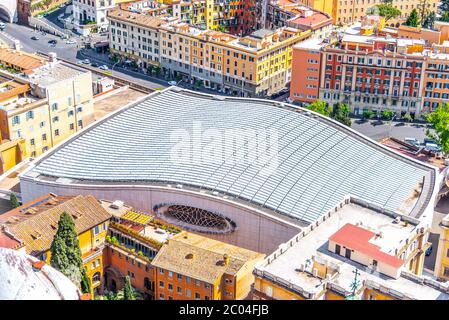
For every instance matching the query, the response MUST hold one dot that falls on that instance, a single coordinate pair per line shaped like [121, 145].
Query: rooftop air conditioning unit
[117, 204]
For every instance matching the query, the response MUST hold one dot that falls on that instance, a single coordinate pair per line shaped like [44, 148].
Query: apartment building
[92, 14]
[294, 14]
[134, 239]
[13, 151]
[192, 267]
[371, 72]
[32, 226]
[254, 65]
[56, 104]
[232, 16]
[343, 12]
[135, 36]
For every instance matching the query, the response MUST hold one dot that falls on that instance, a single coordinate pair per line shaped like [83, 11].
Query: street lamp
[112, 68]
[391, 121]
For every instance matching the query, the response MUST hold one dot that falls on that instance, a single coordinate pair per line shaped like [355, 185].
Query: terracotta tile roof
[21, 59]
[202, 258]
[357, 238]
[36, 223]
[136, 18]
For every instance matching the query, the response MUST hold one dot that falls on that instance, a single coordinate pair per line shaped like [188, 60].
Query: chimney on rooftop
[52, 58]
[226, 259]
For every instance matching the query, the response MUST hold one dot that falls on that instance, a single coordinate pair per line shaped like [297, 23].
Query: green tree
[444, 10]
[429, 21]
[368, 114]
[407, 117]
[413, 19]
[387, 114]
[14, 201]
[341, 113]
[385, 10]
[319, 107]
[423, 10]
[66, 253]
[439, 119]
[444, 6]
[128, 291]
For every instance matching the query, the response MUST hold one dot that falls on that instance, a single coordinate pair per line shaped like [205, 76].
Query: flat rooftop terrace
[285, 267]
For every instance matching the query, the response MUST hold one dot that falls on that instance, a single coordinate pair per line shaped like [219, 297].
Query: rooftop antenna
[354, 285]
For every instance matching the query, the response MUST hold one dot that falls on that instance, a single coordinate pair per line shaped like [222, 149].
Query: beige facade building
[254, 65]
[56, 104]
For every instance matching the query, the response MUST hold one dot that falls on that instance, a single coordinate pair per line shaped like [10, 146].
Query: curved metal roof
[318, 160]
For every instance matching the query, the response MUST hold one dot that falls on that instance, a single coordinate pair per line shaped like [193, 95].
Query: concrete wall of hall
[256, 231]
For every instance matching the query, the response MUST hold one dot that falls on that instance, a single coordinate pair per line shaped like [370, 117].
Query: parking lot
[398, 130]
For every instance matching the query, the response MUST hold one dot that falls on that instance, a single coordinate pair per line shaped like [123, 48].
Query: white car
[70, 42]
[103, 67]
[86, 61]
[173, 83]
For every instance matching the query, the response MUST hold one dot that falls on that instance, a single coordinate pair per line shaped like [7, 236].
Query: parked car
[52, 42]
[34, 38]
[103, 67]
[173, 83]
[412, 141]
[85, 61]
[2, 26]
[70, 41]
[429, 251]
[94, 64]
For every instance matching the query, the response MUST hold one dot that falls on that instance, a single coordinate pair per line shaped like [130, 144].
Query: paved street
[70, 52]
[378, 132]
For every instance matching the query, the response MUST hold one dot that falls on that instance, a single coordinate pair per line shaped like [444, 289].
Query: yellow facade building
[255, 65]
[53, 101]
[32, 226]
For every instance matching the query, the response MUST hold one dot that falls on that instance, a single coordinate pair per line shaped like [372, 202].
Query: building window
[15, 120]
[30, 115]
[179, 276]
[32, 142]
[179, 290]
[170, 287]
[197, 283]
[57, 132]
[55, 119]
[54, 107]
[188, 293]
[72, 126]
[161, 271]
[96, 230]
[161, 296]
[96, 277]
[197, 296]
[80, 123]
[170, 274]
[161, 284]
